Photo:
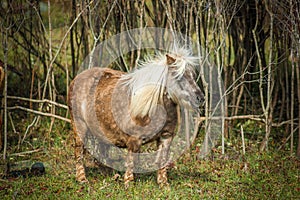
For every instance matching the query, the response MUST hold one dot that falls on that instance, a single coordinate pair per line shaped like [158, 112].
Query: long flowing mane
[148, 82]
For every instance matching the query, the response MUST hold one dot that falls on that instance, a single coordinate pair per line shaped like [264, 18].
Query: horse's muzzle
[200, 99]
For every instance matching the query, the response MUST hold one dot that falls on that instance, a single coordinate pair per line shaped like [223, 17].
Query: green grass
[270, 175]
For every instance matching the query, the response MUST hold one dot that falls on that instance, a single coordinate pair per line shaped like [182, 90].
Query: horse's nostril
[199, 99]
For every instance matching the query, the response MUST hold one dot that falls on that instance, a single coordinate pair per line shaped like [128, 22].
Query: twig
[243, 140]
[141, 13]
[287, 139]
[39, 113]
[196, 128]
[25, 152]
[28, 128]
[202, 74]
[292, 89]
[251, 117]
[298, 91]
[187, 130]
[284, 122]
[38, 101]
[5, 94]
[12, 123]
[14, 129]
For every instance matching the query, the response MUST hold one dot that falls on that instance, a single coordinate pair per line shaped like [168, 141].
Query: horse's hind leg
[80, 171]
[162, 159]
[133, 145]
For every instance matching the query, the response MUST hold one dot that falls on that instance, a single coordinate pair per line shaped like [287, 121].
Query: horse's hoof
[165, 186]
[116, 177]
[128, 178]
[128, 184]
[83, 180]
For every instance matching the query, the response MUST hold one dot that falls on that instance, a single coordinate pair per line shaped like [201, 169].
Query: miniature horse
[114, 107]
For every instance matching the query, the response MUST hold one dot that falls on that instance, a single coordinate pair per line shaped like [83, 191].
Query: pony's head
[181, 83]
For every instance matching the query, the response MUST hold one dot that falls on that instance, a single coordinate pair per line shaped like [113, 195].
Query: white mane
[147, 83]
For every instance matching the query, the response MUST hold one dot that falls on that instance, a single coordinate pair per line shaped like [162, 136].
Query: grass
[269, 175]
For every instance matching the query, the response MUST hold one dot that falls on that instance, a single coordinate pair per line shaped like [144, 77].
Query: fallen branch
[39, 113]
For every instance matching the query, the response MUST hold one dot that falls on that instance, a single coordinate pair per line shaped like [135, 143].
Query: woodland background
[255, 46]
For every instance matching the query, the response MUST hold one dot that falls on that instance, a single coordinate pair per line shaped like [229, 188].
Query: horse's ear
[170, 59]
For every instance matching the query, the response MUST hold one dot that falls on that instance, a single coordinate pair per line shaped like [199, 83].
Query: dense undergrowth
[273, 174]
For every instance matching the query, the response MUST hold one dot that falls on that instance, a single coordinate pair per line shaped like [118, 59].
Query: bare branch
[39, 113]
[38, 101]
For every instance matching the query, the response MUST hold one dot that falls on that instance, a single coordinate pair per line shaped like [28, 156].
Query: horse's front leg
[133, 145]
[80, 171]
[128, 177]
[162, 159]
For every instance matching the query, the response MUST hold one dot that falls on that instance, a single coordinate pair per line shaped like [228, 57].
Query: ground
[273, 174]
